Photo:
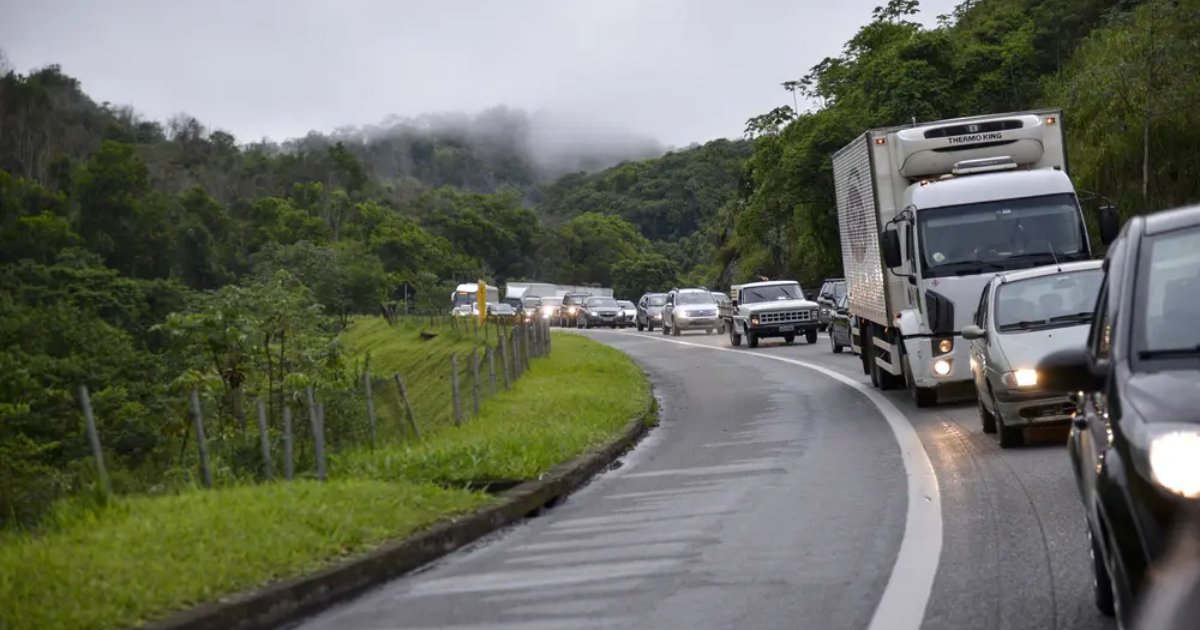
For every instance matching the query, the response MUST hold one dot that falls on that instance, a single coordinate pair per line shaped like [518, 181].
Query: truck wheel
[810, 335]
[734, 338]
[789, 338]
[922, 396]
[752, 340]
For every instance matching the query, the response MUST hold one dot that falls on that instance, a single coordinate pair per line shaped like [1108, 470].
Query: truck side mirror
[889, 246]
[1110, 223]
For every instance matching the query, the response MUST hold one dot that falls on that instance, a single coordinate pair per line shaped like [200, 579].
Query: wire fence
[294, 433]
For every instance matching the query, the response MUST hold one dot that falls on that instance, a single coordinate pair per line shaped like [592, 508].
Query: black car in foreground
[1135, 439]
[839, 325]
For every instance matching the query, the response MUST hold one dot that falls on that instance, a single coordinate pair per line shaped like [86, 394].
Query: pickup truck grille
[783, 317]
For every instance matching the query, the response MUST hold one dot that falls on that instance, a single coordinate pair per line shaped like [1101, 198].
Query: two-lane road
[772, 495]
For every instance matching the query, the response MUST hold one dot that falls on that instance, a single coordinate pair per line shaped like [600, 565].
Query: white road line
[906, 595]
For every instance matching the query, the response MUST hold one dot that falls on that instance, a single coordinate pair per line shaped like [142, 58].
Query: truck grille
[783, 317]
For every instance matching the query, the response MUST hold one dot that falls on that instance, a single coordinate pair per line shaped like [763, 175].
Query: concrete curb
[290, 600]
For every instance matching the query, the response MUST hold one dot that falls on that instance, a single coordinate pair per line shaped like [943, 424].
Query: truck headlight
[1174, 464]
[572, 310]
[754, 321]
[1024, 377]
[944, 346]
[941, 367]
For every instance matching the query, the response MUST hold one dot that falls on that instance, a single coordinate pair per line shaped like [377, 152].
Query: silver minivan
[1022, 317]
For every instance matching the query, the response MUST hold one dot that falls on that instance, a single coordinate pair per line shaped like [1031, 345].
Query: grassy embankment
[140, 558]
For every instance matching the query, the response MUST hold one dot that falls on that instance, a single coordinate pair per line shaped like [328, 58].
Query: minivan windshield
[772, 292]
[695, 297]
[1167, 307]
[603, 302]
[1000, 235]
[1063, 299]
[657, 300]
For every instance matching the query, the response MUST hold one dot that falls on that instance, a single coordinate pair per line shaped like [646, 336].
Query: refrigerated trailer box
[927, 214]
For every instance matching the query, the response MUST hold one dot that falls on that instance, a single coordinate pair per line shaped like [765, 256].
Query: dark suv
[572, 304]
[831, 291]
[1135, 438]
[649, 310]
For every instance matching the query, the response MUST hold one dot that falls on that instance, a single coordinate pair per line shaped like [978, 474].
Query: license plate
[786, 328]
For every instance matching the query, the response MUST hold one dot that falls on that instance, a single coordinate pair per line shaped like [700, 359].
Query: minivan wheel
[1009, 436]
[985, 417]
[1102, 584]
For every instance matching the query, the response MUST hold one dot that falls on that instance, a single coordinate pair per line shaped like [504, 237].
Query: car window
[981, 308]
[1100, 337]
[658, 300]
[1168, 305]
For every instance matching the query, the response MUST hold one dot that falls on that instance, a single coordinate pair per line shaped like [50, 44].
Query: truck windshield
[772, 292]
[462, 298]
[1000, 235]
[1168, 296]
[531, 301]
[1063, 299]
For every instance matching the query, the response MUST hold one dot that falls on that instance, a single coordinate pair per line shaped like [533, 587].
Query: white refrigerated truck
[928, 213]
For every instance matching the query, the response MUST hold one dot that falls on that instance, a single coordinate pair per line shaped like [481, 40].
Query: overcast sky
[676, 70]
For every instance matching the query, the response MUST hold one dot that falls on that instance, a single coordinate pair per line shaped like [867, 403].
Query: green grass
[424, 364]
[577, 398]
[143, 557]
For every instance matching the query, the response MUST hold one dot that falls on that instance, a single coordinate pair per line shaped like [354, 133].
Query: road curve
[772, 496]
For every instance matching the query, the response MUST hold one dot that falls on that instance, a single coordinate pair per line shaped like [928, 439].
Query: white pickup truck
[769, 309]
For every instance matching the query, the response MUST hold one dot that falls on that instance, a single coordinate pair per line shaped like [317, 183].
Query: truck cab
[928, 214]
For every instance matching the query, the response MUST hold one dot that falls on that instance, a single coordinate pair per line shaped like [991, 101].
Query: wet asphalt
[770, 496]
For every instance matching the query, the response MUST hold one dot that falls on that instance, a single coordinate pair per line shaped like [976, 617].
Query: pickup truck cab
[769, 309]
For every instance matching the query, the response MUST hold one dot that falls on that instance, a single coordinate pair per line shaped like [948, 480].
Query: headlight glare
[1175, 462]
[1024, 377]
[941, 367]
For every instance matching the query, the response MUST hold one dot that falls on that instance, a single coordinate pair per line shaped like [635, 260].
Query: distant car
[568, 313]
[628, 312]
[832, 290]
[600, 311]
[649, 310]
[550, 307]
[1135, 439]
[690, 309]
[531, 308]
[839, 325]
[1023, 316]
[502, 310]
[722, 302]
[772, 308]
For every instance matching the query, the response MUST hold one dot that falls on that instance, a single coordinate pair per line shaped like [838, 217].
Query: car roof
[767, 283]
[1168, 220]
[692, 291]
[1049, 270]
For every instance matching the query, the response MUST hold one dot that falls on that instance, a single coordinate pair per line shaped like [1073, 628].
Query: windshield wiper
[1023, 325]
[969, 267]
[1167, 353]
[1082, 317]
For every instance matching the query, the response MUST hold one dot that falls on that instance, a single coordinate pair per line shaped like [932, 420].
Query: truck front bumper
[951, 368]
[783, 330]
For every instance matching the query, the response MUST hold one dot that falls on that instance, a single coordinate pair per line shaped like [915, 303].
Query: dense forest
[139, 256]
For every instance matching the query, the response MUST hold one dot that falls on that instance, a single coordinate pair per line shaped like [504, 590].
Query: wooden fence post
[454, 389]
[412, 421]
[320, 441]
[475, 379]
[370, 406]
[264, 441]
[202, 442]
[491, 360]
[85, 400]
[289, 467]
[318, 436]
[504, 361]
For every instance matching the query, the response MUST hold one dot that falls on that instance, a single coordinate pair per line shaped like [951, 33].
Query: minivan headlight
[1022, 378]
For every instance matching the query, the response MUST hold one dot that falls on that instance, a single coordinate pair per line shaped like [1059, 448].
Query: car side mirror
[1071, 370]
[973, 332]
[1109, 221]
[889, 246]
